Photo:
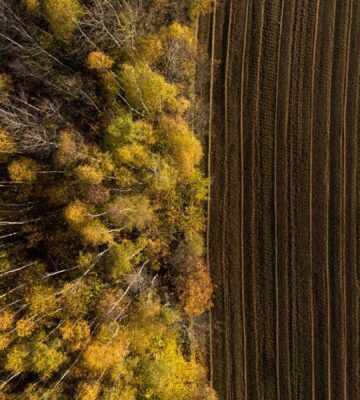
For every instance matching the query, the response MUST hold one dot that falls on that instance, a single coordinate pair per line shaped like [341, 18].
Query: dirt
[283, 236]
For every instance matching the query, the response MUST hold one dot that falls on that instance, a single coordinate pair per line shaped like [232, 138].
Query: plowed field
[284, 205]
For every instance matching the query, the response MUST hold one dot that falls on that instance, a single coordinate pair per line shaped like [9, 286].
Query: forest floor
[284, 165]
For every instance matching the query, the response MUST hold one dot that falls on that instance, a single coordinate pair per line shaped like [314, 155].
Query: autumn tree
[181, 143]
[131, 212]
[196, 289]
[23, 169]
[62, 16]
[148, 91]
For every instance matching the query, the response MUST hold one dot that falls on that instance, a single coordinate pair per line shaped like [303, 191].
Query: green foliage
[123, 130]
[63, 16]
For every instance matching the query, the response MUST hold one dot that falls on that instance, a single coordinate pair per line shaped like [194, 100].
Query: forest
[104, 288]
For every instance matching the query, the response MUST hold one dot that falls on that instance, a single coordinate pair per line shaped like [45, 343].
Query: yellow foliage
[4, 341]
[133, 154]
[148, 91]
[95, 233]
[46, 360]
[149, 49]
[76, 334]
[201, 7]
[169, 376]
[197, 291]
[88, 391]
[88, 174]
[6, 320]
[23, 169]
[16, 359]
[31, 6]
[109, 85]
[41, 299]
[62, 16]
[180, 32]
[99, 357]
[6, 85]
[68, 151]
[25, 327]
[99, 60]
[184, 147]
[76, 213]
[7, 145]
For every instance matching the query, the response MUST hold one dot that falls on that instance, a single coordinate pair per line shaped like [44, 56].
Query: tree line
[103, 285]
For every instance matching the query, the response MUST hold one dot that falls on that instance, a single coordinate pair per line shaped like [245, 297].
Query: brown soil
[283, 158]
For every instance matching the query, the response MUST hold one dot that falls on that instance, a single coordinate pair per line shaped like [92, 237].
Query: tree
[196, 289]
[41, 299]
[148, 91]
[122, 258]
[77, 213]
[88, 391]
[63, 16]
[25, 327]
[46, 360]
[134, 154]
[16, 359]
[7, 145]
[124, 130]
[131, 212]
[99, 61]
[23, 169]
[96, 233]
[31, 6]
[181, 143]
[101, 357]
[179, 43]
[200, 7]
[75, 334]
[168, 375]
[6, 320]
[89, 174]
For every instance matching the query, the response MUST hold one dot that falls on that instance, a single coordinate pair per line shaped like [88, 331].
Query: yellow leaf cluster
[96, 233]
[184, 147]
[16, 358]
[133, 154]
[89, 174]
[62, 16]
[88, 391]
[41, 299]
[99, 61]
[23, 169]
[76, 213]
[6, 320]
[76, 334]
[99, 357]
[197, 291]
[25, 327]
[4, 341]
[31, 6]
